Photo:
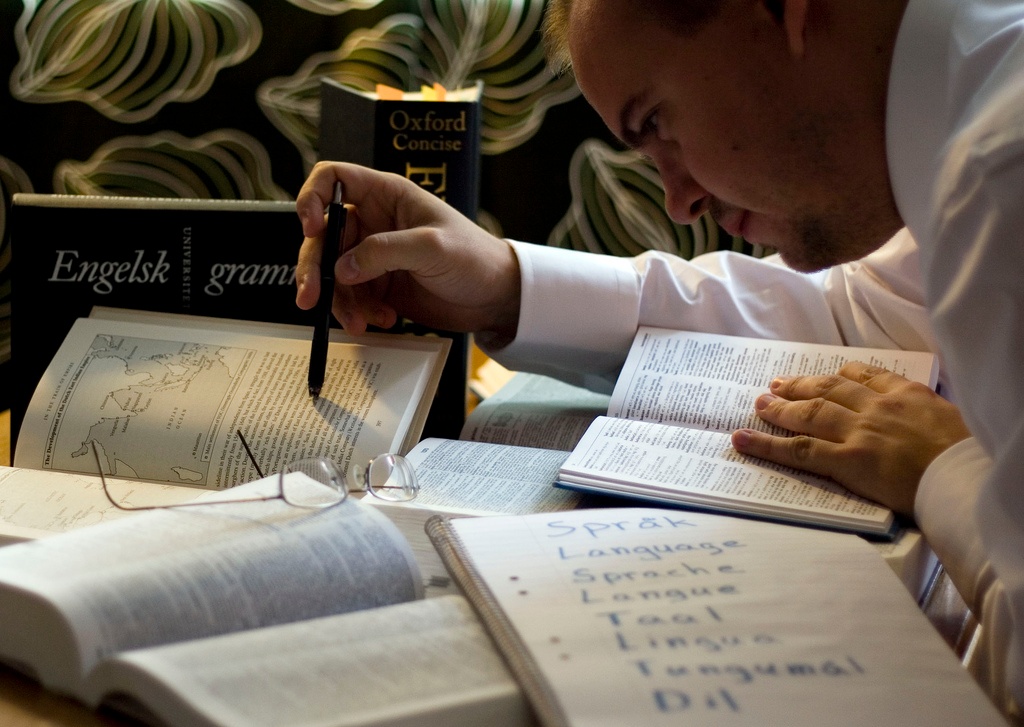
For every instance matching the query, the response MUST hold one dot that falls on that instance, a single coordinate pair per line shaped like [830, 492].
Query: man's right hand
[410, 256]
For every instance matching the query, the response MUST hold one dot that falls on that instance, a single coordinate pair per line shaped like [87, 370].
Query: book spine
[209, 259]
[435, 144]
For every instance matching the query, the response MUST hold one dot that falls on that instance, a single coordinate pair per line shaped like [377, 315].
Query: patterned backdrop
[219, 99]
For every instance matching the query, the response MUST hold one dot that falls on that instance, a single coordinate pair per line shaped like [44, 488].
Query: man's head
[682, 16]
[767, 113]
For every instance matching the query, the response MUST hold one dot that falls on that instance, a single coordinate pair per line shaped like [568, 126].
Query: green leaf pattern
[12, 180]
[225, 164]
[497, 41]
[129, 58]
[387, 53]
[334, 7]
[618, 207]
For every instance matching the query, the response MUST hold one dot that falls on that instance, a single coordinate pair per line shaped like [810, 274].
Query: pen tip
[314, 392]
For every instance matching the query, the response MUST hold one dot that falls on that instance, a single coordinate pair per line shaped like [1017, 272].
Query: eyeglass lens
[322, 486]
[389, 477]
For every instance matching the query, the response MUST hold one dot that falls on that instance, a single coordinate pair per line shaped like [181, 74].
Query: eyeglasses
[315, 483]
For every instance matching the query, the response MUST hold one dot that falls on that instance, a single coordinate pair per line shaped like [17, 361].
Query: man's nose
[685, 199]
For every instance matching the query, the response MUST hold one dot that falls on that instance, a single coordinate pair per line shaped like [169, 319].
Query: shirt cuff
[945, 511]
[579, 311]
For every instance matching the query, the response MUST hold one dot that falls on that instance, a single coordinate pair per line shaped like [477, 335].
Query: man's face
[775, 147]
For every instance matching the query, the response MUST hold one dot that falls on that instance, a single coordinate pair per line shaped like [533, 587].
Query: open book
[164, 395]
[634, 616]
[254, 613]
[149, 440]
[678, 398]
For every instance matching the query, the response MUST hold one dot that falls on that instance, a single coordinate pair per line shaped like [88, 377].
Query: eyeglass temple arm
[249, 453]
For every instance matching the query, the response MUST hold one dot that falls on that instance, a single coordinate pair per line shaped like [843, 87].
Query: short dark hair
[683, 16]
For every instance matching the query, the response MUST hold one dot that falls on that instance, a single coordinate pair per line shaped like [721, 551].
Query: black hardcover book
[224, 258]
[433, 143]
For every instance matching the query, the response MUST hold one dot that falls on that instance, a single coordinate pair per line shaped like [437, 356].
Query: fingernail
[380, 318]
[764, 400]
[779, 381]
[347, 268]
[741, 437]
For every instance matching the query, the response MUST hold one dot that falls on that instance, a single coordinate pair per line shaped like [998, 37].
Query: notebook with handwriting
[645, 616]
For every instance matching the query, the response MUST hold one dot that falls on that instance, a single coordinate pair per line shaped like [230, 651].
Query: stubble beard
[817, 246]
[813, 248]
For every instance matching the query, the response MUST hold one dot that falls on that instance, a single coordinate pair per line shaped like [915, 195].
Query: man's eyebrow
[629, 137]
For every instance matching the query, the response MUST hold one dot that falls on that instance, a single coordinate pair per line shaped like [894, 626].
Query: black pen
[333, 241]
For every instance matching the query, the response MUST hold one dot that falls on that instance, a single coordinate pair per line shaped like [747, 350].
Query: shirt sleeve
[580, 311]
[948, 501]
[973, 271]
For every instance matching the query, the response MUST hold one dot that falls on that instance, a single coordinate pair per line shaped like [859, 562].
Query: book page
[425, 663]
[535, 411]
[702, 468]
[171, 574]
[34, 504]
[709, 381]
[163, 404]
[478, 478]
[411, 522]
[656, 617]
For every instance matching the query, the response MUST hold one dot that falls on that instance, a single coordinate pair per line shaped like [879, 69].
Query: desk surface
[25, 704]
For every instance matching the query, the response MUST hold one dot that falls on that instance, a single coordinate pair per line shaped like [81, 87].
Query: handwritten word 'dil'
[673, 700]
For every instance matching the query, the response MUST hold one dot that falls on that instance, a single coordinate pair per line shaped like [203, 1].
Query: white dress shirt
[955, 132]
[580, 311]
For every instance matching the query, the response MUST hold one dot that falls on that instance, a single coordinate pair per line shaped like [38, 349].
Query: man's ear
[792, 16]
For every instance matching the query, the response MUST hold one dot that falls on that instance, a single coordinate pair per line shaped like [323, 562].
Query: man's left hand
[869, 429]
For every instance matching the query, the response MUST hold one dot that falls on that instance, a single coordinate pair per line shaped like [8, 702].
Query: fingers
[818, 416]
[367, 192]
[415, 250]
[357, 310]
[318, 190]
[867, 428]
[409, 255]
[873, 377]
[800, 452]
[384, 200]
[837, 388]
[307, 273]
[854, 387]
[823, 406]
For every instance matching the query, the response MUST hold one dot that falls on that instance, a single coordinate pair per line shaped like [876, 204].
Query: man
[817, 127]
